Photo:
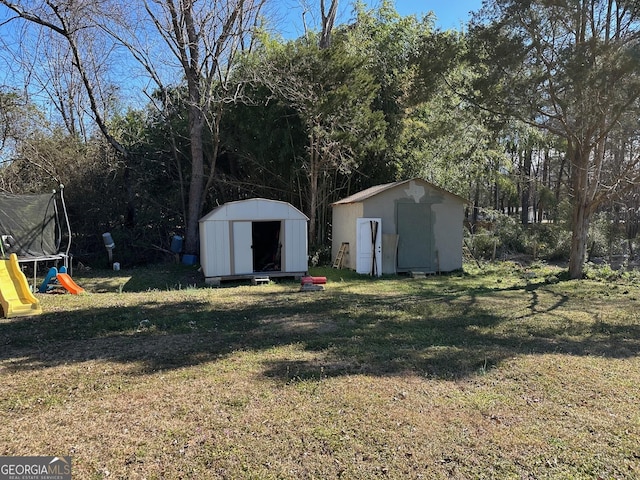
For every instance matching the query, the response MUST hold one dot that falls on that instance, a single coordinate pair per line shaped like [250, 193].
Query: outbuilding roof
[255, 209]
[373, 191]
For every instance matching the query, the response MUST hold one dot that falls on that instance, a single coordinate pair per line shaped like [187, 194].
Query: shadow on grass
[165, 276]
[443, 333]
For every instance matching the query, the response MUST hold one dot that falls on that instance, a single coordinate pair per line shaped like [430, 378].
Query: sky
[450, 14]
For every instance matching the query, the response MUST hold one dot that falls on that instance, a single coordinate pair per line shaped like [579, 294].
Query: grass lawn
[504, 372]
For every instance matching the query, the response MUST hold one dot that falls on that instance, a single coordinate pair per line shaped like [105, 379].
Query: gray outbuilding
[253, 237]
[408, 226]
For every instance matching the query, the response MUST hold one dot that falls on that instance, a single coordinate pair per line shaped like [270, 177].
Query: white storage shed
[253, 237]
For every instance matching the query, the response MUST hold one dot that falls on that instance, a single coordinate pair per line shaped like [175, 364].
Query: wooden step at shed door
[344, 249]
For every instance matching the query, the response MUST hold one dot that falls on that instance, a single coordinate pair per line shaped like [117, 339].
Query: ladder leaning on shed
[344, 249]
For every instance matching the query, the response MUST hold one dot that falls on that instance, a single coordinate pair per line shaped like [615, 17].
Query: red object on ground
[313, 280]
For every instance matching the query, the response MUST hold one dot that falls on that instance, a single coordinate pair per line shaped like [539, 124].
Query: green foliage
[605, 272]
[390, 42]
[503, 235]
[18, 120]
[320, 256]
[607, 235]
[331, 92]
[600, 235]
[392, 98]
[440, 54]
[549, 241]
[602, 272]
[483, 245]
[135, 198]
[259, 161]
[497, 233]
[446, 139]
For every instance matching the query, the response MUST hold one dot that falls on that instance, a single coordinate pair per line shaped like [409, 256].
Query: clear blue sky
[450, 14]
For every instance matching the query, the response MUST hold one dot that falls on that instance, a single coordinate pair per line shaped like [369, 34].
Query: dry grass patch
[492, 374]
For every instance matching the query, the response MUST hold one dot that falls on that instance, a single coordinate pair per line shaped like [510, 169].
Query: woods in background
[154, 115]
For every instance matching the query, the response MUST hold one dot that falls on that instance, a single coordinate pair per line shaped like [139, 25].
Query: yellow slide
[15, 295]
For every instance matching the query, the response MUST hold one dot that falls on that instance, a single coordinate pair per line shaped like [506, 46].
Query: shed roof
[255, 209]
[373, 191]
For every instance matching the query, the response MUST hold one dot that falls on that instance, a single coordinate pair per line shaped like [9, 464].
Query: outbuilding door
[415, 231]
[242, 248]
[256, 246]
[369, 246]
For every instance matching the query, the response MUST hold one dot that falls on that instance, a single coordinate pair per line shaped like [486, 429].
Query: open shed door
[369, 246]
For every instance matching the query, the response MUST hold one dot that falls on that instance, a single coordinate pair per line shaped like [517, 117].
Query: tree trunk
[313, 188]
[581, 215]
[581, 218]
[184, 24]
[526, 186]
[196, 126]
[328, 18]
[543, 183]
[476, 208]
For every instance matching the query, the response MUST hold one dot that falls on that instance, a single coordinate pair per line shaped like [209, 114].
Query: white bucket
[116, 266]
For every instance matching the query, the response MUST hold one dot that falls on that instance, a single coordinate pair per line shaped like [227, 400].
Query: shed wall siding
[344, 230]
[295, 246]
[382, 206]
[385, 206]
[215, 248]
[449, 217]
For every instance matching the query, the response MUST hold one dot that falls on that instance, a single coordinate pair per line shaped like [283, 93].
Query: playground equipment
[62, 278]
[36, 228]
[33, 229]
[15, 294]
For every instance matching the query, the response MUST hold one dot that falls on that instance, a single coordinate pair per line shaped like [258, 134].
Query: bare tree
[328, 19]
[204, 39]
[14, 121]
[74, 22]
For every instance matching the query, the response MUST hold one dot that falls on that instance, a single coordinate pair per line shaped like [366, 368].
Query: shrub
[320, 255]
[506, 235]
[606, 236]
[549, 241]
[500, 232]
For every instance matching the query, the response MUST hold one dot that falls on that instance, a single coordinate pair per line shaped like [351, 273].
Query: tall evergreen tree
[571, 68]
[332, 93]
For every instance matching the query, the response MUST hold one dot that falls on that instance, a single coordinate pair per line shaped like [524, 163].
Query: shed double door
[257, 246]
[415, 231]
